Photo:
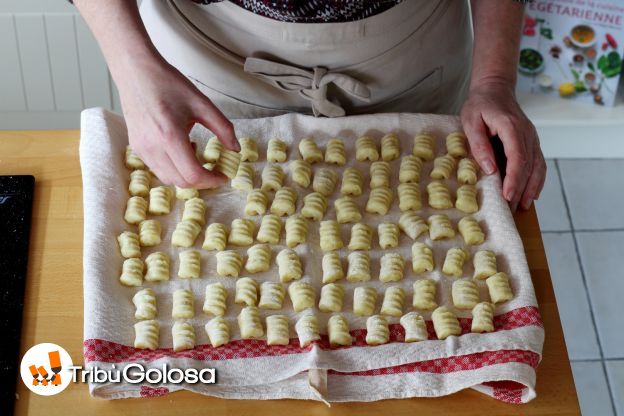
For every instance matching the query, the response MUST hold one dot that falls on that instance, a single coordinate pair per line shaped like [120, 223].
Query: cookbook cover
[572, 49]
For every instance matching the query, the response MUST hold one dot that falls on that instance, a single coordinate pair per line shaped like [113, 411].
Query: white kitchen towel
[501, 364]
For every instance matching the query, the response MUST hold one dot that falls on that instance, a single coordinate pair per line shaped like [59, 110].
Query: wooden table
[53, 308]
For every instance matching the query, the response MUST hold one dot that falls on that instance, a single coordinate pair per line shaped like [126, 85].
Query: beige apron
[414, 57]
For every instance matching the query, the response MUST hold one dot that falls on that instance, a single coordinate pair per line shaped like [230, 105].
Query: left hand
[491, 109]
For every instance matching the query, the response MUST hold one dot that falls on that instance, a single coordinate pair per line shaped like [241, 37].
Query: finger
[479, 143]
[212, 118]
[518, 163]
[180, 151]
[157, 161]
[534, 182]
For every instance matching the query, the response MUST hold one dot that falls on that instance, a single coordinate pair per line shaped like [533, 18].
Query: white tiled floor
[582, 224]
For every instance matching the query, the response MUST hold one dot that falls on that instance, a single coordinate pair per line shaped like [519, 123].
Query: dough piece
[244, 178]
[309, 151]
[380, 175]
[388, 235]
[392, 265]
[314, 206]
[228, 163]
[213, 149]
[301, 172]
[218, 331]
[390, 148]
[443, 167]
[277, 330]
[132, 160]
[129, 244]
[445, 323]
[216, 237]
[471, 231]
[359, 267]
[157, 265]
[456, 144]
[296, 230]
[412, 225]
[289, 265]
[194, 210]
[409, 196]
[332, 267]
[379, 201]
[136, 210]
[272, 178]
[484, 264]
[183, 304]
[454, 262]
[270, 229]
[215, 302]
[301, 295]
[139, 183]
[366, 149]
[338, 331]
[190, 261]
[352, 182]
[467, 199]
[277, 151]
[499, 288]
[409, 171]
[149, 233]
[185, 234]
[440, 227]
[146, 334]
[414, 326]
[229, 263]
[183, 336]
[465, 294]
[361, 237]
[249, 149]
[325, 181]
[439, 195]
[307, 330]
[424, 146]
[186, 193]
[160, 200]
[285, 202]
[249, 323]
[335, 152]
[377, 330]
[257, 202]
[242, 232]
[132, 272]
[364, 300]
[393, 301]
[482, 317]
[330, 238]
[246, 292]
[145, 304]
[271, 295]
[424, 295]
[422, 258]
[331, 298]
[347, 210]
[258, 258]
[467, 172]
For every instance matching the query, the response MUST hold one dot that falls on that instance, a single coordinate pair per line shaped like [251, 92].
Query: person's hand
[491, 109]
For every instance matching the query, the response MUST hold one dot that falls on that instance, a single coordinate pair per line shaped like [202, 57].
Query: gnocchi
[249, 323]
[465, 294]
[467, 172]
[257, 202]
[330, 238]
[157, 264]
[185, 234]
[215, 301]
[456, 144]
[136, 210]
[352, 182]
[414, 326]
[332, 267]
[443, 167]
[439, 195]
[335, 152]
[139, 183]
[309, 151]
[424, 146]
[440, 227]
[409, 171]
[364, 300]
[215, 237]
[366, 149]
[270, 230]
[301, 172]
[331, 298]
[471, 231]
[146, 334]
[379, 201]
[194, 210]
[183, 304]
[445, 323]
[409, 197]
[244, 179]
[145, 304]
[393, 301]
[277, 330]
[388, 235]
[218, 331]
[242, 232]
[454, 262]
[314, 206]
[285, 202]
[324, 181]
[272, 178]
[422, 258]
[213, 149]
[249, 149]
[499, 288]
[160, 200]
[258, 258]
[359, 267]
[149, 233]
[132, 272]
[190, 261]
[377, 330]
[482, 317]
[246, 292]
[289, 265]
[379, 174]
[424, 295]
[347, 210]
[129, 244]
[229, 263]
[484, 264]
[390, 148]
[338, 331]
[228, 163]
[301, 295]
[412, 225]
[132, 160]
[361, 237]
[271, 295]
[307, 330]
[277, 151]
[186, 193]
[392, 266]
[296, 231]
[467, 199]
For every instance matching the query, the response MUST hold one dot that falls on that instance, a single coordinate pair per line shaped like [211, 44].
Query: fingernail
[488, 167]
[510, 196]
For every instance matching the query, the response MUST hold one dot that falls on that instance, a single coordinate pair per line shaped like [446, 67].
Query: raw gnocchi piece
[338, 331]
[146, 334]
[482, 317]
[136, 210]
[499, 288]
[390, 148]
[465, 294]
[186, 193]
[445, 323]
[335, 152]
[249, 149]
[379, 174]
[352, 182]
[467, 199]
[347, 210]
[412, 225]
[301, 172]
[414, 326]
[359, 267]
[301, 295]
[422, 258]
[296, 231]
[218, 331]
[213, 149]
[277, 151]
[377, 330]
[244, 178]
[471, 231]
[331, 298]
[309, 151]
[216, 237]
[443, 167]
[388, 235]
[325, 181]
[392, 265]
[215, 301]
[149, 233]
[484, 264]
[456, 144]
[379, 201]
[364, 300]
[314, 206]
[271, 295]
[160, 200]
[332, 267]
[307, 330]
[145, 303]
[454, 262]
[330, 238]
[249, 323]
[289, 265]
[439, 195]
[157, 265]
[409, 196]
[194, 210]
[424, 295]
[393, 301]
[132, 160]
[139, 183]
[258, 258]
[270, 229]
[185, 234]
[366, 149]
[440, 227]
[229, 263]
[190, 261]
[285, 202]
[277, 330]
[242, 232]
[424, 146]
[361, 237]
[246, 292]
[183, 304]
[467, 172]
[272, 178]
[129, 244]
[409, 171]
[257, 202]
[132, 272]
[228, 163]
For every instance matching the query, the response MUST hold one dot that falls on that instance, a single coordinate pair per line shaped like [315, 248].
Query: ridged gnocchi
[160, 200]
[366, 149]
[440, 227]
[183, 304]
[359, 267]
[244, 179]
[190, 264]
[377, 330]
[285, 202]
[132, 160]
[277, 151]
[249, 323]
[392, 267]
[271, 295]
[412, 224]
[414, 326]
[132, 272]
[246, 292]
[379, 201]
[301, 172]
[379, 174]
[361, 237]
[242, 232]
[347, 210]
[445, 323]
[257, 202]
[249, 149]
[484, 262]
[467, 199]
[499, 288]
[422, 258]
[296, 230]
[258, 258]
[443, 167]
[352, 182]
[424, 295]
[215, 237]
[149, 233]
[228, 163]
[186, 193]
[335, 152]
[409, 197]
[146, 334]
[129, 244]
[314, 206]
[277, 330]
[439, 195]
[454, 262]
[465, 294]
[194, 210]
[215, 300]
[482, 317]
[229, 263]
[364, 300]
[471, 231]
[213, 149]
[467, 172]
[390, 148]
[289, 265]
[272, 178]
[145, 304]
[332, 295]
[301, 295]
[157, 265]
[338, 331]
[424, 146]
[309, 151]
[332, 267]
[307, 329]
[139, 182]
[393, 301]
[136, 210]
[388, 234]
[218, 331]
[270, 230]
[185, 234]
[409, 171]
[456, 144]
[330, 238]
[324, 181]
